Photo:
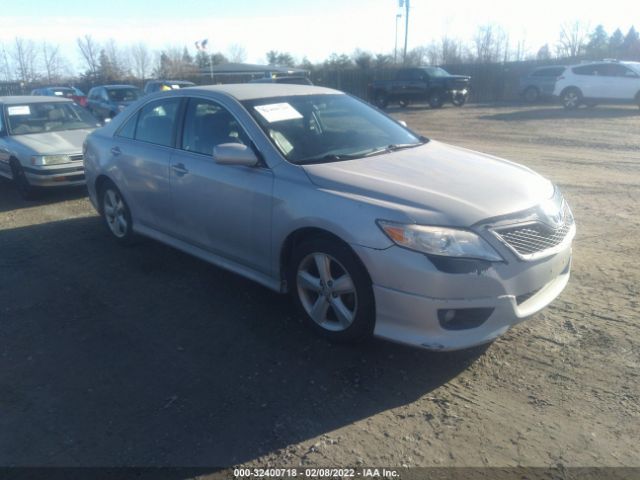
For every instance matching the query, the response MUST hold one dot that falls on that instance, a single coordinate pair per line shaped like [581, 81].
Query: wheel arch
[301, 235]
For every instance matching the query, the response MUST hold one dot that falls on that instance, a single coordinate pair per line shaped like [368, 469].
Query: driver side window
[207, 124]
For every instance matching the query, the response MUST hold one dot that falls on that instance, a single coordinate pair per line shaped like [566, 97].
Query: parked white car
[599, 82]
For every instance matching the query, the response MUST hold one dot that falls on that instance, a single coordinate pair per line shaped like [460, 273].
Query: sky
[314, 29]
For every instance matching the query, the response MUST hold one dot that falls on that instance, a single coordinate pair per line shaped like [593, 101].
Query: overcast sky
[313, 29]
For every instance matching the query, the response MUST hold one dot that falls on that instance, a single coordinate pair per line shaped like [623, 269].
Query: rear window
[123, 94]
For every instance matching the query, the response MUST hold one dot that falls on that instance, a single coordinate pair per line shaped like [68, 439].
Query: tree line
[29, 62]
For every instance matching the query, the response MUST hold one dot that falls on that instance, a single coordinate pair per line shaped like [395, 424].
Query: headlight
[49, 159]
[449, 242]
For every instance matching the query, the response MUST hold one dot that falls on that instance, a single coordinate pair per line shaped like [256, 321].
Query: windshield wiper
[330, 158]
[353, 156]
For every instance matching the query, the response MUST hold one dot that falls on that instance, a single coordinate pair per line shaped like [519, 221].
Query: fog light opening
[463, 318]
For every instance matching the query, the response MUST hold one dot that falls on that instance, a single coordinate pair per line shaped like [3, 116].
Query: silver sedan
[41, 141]
[372, 228]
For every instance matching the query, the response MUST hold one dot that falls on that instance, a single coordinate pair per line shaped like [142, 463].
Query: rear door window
[156, 122]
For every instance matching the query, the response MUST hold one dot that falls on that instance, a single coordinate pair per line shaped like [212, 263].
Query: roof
[251, 91]
[24, 99]
[160, 80]
[116, 86]
[249, 68]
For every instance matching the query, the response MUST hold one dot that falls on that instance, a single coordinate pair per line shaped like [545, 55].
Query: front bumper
[56, 175]
[409, 291]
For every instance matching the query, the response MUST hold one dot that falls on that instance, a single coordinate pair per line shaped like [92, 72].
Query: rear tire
[571, 98]
[332, 290]
[115, 213]
[25, 189]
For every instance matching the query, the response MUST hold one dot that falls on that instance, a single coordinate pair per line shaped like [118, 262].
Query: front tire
[333, 290]
[25, 189]
[459, 100]
[571, 98]
[436, 99]
[115, 213]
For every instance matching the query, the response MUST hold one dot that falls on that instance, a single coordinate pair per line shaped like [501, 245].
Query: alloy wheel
[327, 292]
[115, 213]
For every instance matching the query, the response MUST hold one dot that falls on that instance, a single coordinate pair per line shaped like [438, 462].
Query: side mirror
[403, 123]
[234, 154]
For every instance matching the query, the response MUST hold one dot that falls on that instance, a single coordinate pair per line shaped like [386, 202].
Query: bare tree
[237, 53]
[573, 38]
[171, 63]
[491, 44]
[141, 60]
[5, 67]
[52, 62]
[118, 61]
[90, 51]
[24, 56]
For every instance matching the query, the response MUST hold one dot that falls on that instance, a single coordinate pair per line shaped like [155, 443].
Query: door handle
[115, 151]
[180, 169]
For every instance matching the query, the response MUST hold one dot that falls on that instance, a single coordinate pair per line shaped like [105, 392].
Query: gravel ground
[146, 356]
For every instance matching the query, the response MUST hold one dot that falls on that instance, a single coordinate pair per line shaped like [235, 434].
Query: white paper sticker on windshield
[58, 93]
[277, 112]
[175, 87]
[19, 110]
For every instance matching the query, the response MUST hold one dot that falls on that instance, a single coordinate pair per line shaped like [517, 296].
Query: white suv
[599, 82]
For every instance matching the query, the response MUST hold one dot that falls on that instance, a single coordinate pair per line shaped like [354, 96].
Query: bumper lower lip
[55, 177]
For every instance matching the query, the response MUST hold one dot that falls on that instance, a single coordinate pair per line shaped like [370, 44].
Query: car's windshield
[436, 72]
[47, 117]
[123, 94]
[322, 128]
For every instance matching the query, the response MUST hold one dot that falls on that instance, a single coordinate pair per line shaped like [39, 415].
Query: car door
[143, 147]
[589, 80]
[225, 209]
[624, 82]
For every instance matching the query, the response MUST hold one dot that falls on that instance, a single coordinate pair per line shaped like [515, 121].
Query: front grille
[533, 238]
[75, 158]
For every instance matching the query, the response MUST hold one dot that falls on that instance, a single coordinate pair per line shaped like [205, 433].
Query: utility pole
[395, 49]
[406, 28]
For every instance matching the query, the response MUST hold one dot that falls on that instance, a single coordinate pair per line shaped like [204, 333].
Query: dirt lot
[145, 356]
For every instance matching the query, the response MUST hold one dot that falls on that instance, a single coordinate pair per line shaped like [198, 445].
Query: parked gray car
[540, 83]
[41, 141]
[373, 229]
[106, 101]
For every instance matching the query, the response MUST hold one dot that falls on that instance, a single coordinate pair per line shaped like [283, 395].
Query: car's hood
[436, 183]
[47, 143]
